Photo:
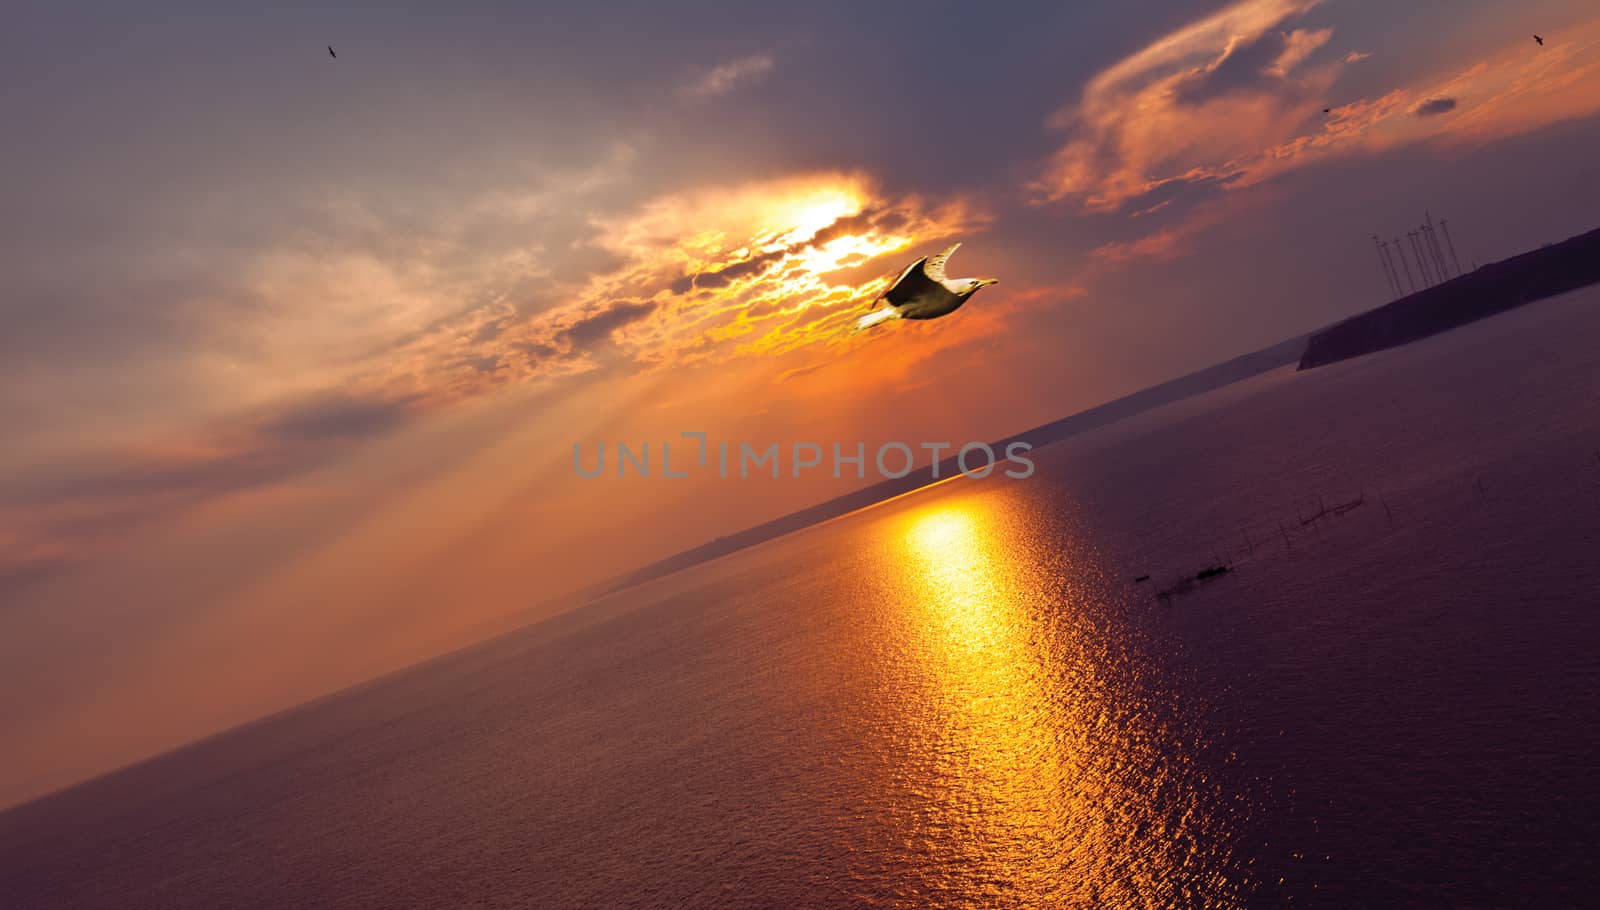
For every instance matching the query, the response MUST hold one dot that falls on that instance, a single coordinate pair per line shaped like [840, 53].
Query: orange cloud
[1163, 244]
[750, 270]
[1152, 121]
[1171, 241]
[1513, 93]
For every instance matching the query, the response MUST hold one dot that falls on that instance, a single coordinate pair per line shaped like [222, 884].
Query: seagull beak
[985, 282]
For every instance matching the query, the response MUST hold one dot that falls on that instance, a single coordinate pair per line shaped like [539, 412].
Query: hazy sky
[295, 349]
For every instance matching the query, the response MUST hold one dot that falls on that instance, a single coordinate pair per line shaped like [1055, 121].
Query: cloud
[234, 299]
[794, 373]
[65, 512]
[1152, 118]
[336, 418]
[1503, 96]
[25, 562]
[1433, 107]
[722, 277]
[1045, 295]
[722, 272]
[722, 79]
[1160, 245]
[231, 454]
[598, 326]
[1149, 127]
[1171, 241]
[1262, 64]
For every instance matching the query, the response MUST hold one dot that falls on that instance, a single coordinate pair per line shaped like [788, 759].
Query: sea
[991, 693]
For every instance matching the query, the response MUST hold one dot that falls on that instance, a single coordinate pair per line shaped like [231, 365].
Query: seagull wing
[894, 283]
[935, 266]
[912, 283]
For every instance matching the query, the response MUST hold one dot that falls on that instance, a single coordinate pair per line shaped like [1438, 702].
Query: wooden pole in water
[1386, 509]
[1286, 544]
[1247, 543]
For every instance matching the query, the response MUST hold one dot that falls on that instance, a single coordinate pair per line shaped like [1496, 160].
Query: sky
[294, 349]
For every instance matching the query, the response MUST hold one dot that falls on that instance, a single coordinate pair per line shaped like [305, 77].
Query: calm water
[960, 698]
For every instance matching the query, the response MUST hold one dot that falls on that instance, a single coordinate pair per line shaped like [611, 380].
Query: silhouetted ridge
[1491, 289]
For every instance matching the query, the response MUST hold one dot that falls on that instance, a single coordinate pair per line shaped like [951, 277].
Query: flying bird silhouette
[331, 53]
[923, 292]
[1539, 39]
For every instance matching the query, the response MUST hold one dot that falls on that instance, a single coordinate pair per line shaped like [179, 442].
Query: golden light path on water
[1053, 783]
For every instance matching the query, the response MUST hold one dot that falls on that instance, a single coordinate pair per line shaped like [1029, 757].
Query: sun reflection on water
[1051, 786]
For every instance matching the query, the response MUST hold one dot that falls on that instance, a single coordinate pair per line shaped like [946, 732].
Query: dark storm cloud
[1433, 107]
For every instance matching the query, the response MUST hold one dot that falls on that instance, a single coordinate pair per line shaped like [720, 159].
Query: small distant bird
[1327, 110]
[1539, 39]
[923, 292]
[331, 53]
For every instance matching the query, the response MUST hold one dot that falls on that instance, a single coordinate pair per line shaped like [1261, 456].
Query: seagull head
[970, 286]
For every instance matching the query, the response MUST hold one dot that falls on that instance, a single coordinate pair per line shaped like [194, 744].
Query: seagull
[331, 53]
[922, 292]
[1539, 39]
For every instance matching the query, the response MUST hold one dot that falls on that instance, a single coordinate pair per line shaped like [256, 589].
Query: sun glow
[766, 276]
[814, 214]
[754, 270]
[1036, 790]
